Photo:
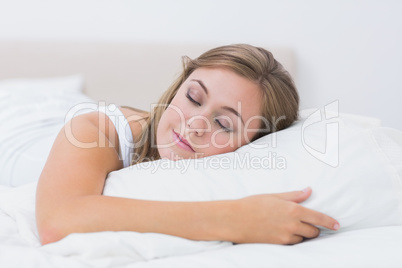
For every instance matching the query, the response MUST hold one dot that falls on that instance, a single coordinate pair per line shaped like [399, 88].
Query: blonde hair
[279, 95]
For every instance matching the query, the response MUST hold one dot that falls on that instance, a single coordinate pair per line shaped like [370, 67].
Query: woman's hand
[277, 219]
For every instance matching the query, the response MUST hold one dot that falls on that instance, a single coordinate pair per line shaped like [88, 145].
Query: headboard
[133, 74]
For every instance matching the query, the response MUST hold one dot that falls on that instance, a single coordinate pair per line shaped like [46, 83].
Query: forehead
[226, 88]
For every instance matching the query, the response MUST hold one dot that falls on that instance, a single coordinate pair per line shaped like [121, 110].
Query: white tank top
[126, 141]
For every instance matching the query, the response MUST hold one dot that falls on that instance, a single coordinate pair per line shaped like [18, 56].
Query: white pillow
[32, 113]
[353, 167]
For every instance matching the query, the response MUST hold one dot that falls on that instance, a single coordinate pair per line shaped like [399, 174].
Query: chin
[174, 156]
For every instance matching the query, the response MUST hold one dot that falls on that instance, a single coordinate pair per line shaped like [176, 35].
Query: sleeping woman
[224, 99]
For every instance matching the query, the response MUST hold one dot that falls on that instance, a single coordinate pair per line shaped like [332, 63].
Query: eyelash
[191, 99]
[216, 120]
[222, 126]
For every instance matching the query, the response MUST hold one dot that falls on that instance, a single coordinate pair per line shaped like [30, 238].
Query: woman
[224, 99]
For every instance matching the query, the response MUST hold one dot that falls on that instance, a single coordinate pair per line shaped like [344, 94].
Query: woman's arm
[69, 193]
[70, 200]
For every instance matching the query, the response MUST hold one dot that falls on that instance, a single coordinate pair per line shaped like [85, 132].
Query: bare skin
[70, 200]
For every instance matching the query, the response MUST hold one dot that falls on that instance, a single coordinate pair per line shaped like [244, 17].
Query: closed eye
[226, 129]
[191, 99]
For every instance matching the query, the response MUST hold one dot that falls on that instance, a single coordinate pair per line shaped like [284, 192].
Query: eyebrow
[201, 84]
[227, 108]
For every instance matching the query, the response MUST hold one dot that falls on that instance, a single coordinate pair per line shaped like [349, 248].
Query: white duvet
[368, 208]
[353, 166]
[19, 246]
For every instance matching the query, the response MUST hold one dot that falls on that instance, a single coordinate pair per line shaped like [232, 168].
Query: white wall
[346, 50]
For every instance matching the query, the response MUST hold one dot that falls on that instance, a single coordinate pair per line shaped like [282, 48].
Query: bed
[352, 163]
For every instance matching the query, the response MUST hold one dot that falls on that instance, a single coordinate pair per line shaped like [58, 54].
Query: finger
[307, 230]
[295, 196]
[295, 239]
[317, 218]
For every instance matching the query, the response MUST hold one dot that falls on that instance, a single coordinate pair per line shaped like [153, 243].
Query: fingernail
[306, 189]
[336, 226]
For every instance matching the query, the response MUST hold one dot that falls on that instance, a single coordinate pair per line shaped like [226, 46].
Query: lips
[182, 142]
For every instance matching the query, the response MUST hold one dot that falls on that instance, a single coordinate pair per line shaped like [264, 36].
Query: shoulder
[88, 137]
[137, 119]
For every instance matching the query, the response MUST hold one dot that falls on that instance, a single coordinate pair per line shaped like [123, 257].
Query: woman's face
[215, 111]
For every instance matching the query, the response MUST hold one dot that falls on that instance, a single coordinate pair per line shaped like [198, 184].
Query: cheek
[229, 141]
[165, 123]
[180, 109]
[172, 115]
[251, 129]
[225, 141]
[172, 118]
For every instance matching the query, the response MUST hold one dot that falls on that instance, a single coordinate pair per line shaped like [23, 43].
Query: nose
[197, 125]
